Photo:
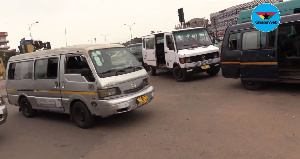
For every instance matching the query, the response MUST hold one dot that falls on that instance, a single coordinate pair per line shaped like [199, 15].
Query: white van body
[184, 51]
[97, 80]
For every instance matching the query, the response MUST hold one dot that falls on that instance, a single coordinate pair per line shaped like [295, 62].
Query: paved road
[208, 117]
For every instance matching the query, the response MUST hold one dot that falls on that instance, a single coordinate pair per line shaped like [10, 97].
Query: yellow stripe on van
[259, 63]
[67, 92]
[44, 91]
[252, 63]
[11, 89]
[75, 92]
[231, 63]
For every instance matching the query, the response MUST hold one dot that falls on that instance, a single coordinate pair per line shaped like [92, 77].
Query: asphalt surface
[206, 117]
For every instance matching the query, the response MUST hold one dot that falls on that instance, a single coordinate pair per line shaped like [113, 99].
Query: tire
[213, 71]
[145, 66]
[152, 71]
[82, 116]
[179, 74]
[26, 108]
[251, 85]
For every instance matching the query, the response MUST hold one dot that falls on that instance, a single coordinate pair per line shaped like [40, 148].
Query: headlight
[181, 60]
[2, 101]
[188, 60]
[102, 93]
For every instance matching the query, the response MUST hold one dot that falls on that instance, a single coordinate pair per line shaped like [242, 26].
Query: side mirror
[86, 72]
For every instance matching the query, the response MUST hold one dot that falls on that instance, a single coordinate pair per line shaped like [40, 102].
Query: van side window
[251, 40]
[150, 43]
[263, 40]
[46, 68]
[170, 42]
[288, 41]
[11, 71]
[233, 41]
[272, 39]
[74, 64]
[27, 70]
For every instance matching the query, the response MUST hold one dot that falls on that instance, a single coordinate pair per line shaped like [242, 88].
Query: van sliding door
[259, 55]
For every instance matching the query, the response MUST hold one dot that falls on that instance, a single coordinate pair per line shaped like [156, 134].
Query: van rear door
[259, 55]
[149, 50]
[231, 54]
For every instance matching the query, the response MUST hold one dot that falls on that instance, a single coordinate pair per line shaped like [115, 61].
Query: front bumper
[3, 114]
[107, 108]
[195, 67]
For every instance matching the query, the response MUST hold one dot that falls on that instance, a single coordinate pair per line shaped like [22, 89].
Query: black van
[257, 57]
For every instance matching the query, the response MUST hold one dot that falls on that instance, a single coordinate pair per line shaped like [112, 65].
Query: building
[3, 41]
[195, 22]
[229, 16]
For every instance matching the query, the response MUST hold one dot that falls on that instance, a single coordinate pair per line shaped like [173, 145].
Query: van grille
[134, 90]
[203, 57]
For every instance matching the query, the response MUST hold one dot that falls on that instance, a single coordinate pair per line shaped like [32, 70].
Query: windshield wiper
[134, 67]
[113, 70]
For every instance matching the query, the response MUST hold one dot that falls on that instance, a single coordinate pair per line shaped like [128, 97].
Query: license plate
[142, 99]
[205, 67]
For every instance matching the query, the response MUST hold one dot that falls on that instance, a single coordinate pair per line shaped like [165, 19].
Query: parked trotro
[83, 80]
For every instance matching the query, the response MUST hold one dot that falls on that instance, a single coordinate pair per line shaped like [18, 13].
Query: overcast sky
[88, 19]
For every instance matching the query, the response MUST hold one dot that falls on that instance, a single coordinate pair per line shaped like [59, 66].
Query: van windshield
[114, 61]
[192, 38]
[135, 48]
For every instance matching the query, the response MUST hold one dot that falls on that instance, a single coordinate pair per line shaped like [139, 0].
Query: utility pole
[66, 36]
[30, 26]
[104, 35]
[130, 30]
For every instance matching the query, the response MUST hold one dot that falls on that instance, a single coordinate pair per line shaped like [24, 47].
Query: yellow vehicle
[2, 68]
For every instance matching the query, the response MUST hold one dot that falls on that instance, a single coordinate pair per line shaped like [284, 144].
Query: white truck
[184, 52]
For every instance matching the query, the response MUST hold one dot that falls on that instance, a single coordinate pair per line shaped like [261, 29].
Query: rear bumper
[3, 114]
[121, 105]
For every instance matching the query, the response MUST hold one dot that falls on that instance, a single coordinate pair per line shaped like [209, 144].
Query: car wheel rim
[25, 106]
[179, 74]
[79, 113]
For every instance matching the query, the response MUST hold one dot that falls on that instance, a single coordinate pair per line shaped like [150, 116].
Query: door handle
[55, 84]
[62, 84]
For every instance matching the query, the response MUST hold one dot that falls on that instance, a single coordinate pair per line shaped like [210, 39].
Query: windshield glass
[135, 48]
[192, 38]
[113, 61]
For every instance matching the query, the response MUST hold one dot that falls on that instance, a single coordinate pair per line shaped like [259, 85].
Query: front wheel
[213, 71]
[26, 108]
[152, 71]
[82, 116]
[179, 74]
[251, 85]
